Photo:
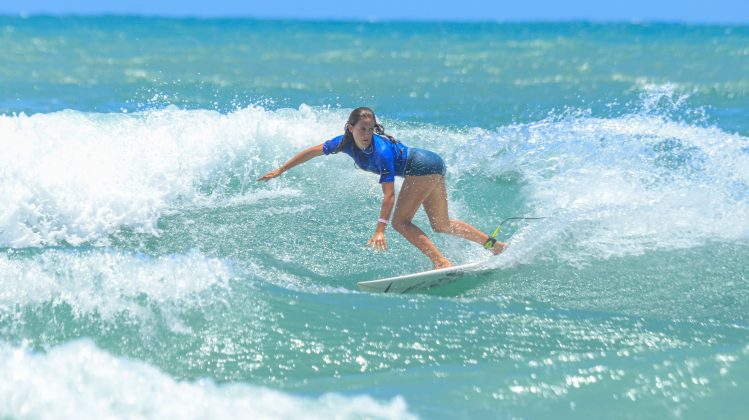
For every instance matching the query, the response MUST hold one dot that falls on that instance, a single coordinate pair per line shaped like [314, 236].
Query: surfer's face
[363, 131]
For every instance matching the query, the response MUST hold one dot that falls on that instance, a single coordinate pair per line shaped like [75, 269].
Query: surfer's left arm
[388, 200]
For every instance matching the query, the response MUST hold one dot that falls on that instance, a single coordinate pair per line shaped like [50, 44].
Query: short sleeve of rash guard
[329, 146]
[388, 172]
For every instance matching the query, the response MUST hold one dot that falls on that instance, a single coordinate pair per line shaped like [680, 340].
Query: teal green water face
[144, 270]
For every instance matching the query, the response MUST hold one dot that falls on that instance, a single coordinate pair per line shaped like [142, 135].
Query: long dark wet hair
[356, 115]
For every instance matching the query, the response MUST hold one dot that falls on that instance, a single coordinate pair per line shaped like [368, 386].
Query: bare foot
[442, 264]
[499, 247]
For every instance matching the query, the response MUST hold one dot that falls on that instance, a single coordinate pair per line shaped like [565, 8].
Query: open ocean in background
[144, 273]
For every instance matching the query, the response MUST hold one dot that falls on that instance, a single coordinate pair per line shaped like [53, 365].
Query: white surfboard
[420, 281]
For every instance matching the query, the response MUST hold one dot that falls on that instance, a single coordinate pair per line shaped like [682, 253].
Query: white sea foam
[622, 186]
[107, 283]
[79, 380]
[73, 177]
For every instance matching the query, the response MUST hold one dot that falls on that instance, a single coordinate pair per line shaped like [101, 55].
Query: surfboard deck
[421, 281]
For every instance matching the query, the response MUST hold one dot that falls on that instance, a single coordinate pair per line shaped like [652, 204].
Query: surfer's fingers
[377, 244]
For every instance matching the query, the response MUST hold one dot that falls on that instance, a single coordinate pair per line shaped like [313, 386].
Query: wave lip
[71, 177]
[622, 186]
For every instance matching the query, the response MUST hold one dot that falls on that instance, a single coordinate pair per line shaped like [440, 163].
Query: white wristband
[381, 220]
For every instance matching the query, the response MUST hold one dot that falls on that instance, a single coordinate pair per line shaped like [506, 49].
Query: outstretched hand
[378, 242]
[272, 174]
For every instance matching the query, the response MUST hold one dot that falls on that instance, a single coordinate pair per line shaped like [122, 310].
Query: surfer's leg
[436, 208]
[412, 194]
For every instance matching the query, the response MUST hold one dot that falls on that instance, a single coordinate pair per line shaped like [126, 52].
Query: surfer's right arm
[300, 158]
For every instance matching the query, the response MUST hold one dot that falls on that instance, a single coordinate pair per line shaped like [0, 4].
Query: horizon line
[632, 21]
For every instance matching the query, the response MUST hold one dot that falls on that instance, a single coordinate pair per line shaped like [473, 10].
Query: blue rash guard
[382, 156]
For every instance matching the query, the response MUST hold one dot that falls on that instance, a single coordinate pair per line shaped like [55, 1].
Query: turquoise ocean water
[144, 272]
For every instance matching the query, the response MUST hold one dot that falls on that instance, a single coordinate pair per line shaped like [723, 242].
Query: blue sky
[693, 11]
